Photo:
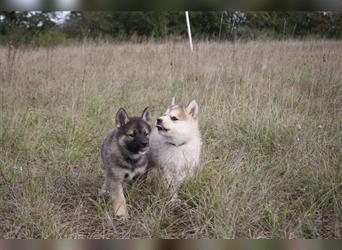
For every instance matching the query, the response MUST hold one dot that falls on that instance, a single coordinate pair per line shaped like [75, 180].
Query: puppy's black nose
[144, 144]
[159, 121]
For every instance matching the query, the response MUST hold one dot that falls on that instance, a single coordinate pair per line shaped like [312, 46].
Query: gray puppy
[124, 155]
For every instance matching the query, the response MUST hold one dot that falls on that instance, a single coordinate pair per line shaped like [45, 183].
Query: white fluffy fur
[177, 163]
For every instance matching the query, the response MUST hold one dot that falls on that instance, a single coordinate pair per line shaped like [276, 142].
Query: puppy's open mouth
[161, 127]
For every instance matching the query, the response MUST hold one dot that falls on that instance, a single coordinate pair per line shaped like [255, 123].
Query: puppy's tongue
[160, 127]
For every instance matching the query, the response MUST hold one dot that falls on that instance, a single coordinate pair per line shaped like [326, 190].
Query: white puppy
[175, 144]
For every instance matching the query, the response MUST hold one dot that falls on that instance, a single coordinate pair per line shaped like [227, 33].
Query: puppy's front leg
[118, 198]
[173, 184]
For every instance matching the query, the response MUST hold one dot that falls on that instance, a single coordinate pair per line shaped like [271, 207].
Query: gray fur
[117, 161]
[124, 155]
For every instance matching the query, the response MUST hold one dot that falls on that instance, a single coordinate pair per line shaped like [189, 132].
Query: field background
[270, 118]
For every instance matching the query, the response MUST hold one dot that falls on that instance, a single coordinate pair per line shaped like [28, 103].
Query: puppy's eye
[146, 133]
[174, 118]
[132, 134]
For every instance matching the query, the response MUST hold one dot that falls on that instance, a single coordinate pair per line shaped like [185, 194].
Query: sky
[59, 19]
[61, 16]
[37, 4]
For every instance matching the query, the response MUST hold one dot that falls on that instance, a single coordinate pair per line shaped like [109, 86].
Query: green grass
[270, 118]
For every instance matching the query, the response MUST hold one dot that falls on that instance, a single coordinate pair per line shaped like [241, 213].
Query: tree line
[41, 28]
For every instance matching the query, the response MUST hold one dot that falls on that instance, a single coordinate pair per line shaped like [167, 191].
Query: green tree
[20, 26]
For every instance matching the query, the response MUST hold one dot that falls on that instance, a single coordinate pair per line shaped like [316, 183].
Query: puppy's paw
[175, 200]
[120, 211]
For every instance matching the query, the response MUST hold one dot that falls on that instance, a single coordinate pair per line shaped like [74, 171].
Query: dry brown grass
[270, 116]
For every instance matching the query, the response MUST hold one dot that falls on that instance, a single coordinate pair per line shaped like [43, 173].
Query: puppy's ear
[173, 102]
[121, 118]
[192, 108]
[146, 114]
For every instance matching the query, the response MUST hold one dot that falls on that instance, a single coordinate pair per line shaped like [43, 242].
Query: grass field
[270, 118]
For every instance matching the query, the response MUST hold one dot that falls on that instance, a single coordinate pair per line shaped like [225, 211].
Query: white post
[189, 30]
